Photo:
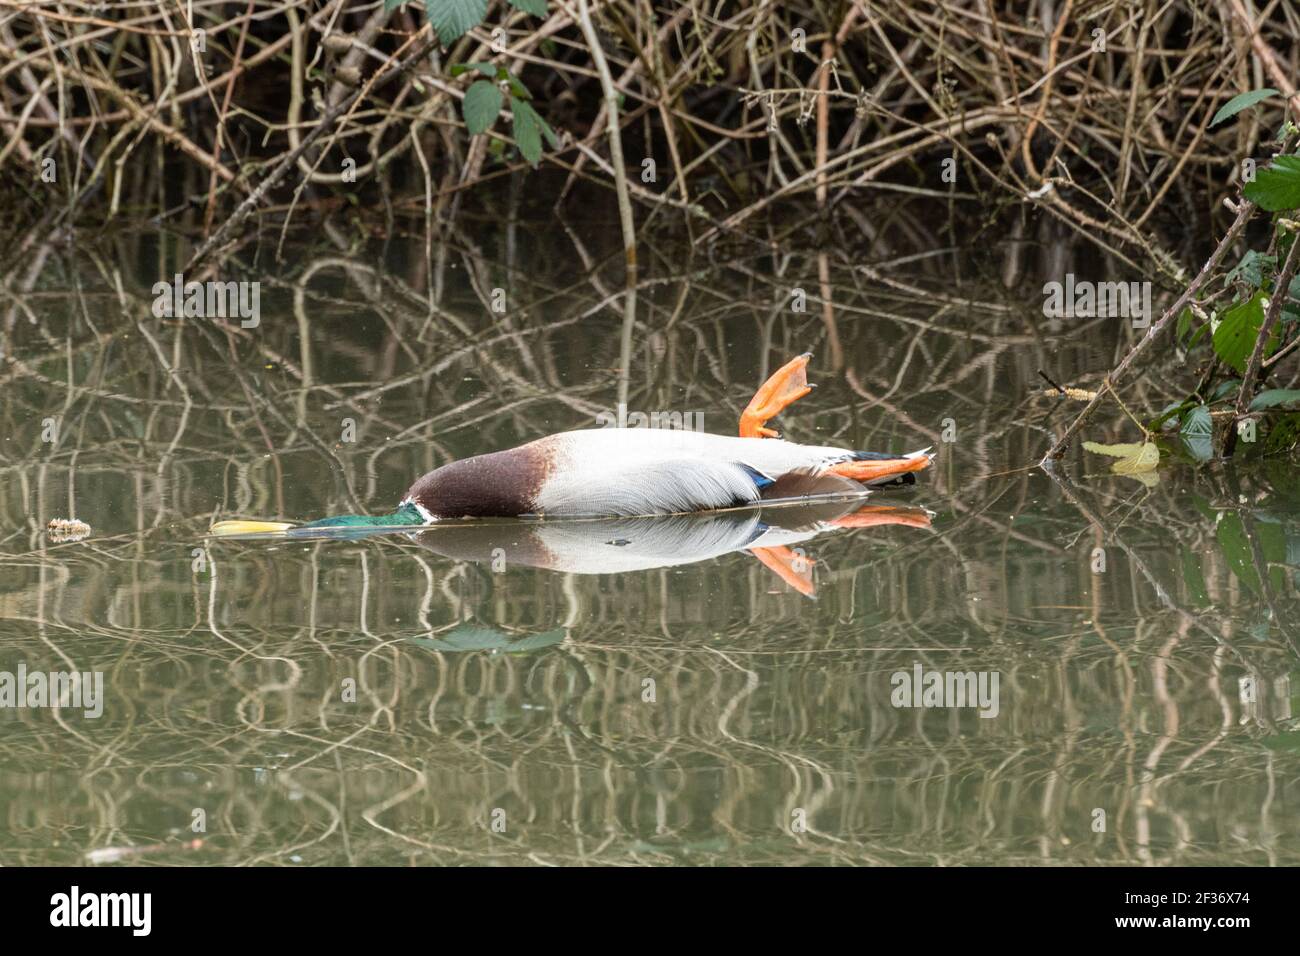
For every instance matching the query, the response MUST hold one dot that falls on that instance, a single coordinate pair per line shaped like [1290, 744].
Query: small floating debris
[1078, 394]
[115, 854]
[1065, 391]
[67, 529]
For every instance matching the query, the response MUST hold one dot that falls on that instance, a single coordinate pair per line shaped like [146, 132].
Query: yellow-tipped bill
[249, 527]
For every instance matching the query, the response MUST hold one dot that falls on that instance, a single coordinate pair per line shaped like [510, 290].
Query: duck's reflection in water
[773, 534]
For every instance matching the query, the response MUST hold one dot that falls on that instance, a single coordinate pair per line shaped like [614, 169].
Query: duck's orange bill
[792, 568]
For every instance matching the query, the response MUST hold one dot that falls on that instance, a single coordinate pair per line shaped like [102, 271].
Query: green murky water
[663, 696]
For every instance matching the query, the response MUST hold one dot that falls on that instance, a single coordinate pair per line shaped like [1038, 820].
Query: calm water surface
[634, 692]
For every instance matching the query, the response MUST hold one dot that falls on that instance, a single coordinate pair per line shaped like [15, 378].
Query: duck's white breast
[639, 471]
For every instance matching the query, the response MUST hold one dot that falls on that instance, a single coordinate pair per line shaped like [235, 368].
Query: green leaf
[1284, 741]
[1272, 549]
[1234, 339]
[1282, 435]
[528, 130]
[1198, 335]
[1197, 433]
[549, 133]
[487, 69]
[481, 105]
[517, 88]
[1194, 579]
[534, 641]
[1197, 422]
[1235, 545]
[390, 4]
[1272, 397]
[1135, 460]
[1251, 269]
[538, 8]
[1173, 410]
[467, 637]
[1276, 187]
[452, 19]
[1293, 290]
[1240, 102]
[1225, 388]
[1130, 450]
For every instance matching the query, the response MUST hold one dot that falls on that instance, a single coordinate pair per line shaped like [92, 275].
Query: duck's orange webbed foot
[877, 469]
[873, 516]
[792, 567]
[786, 386]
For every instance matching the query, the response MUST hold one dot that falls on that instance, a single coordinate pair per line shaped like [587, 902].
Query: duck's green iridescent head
[407, 513]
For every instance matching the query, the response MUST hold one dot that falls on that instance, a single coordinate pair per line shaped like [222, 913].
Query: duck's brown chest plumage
[503, 484]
